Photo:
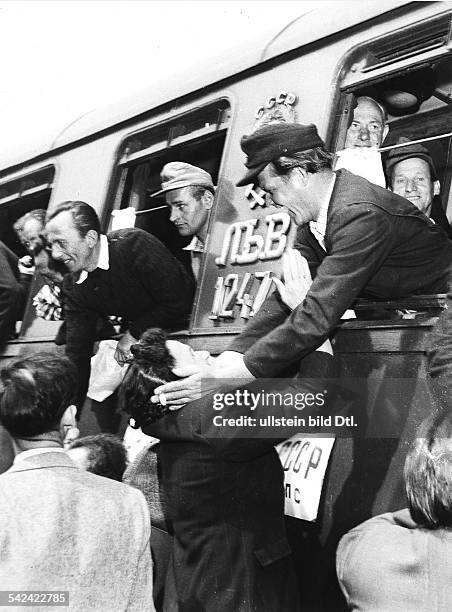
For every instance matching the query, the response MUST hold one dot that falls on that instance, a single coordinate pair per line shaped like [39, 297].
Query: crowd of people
[76, 512]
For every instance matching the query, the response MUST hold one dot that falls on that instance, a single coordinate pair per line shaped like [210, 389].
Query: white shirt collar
[37, 451]
[103, 261]
[195, 245]
[318, 227]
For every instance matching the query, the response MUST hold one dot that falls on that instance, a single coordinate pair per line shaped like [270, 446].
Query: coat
[391, 564]
[64, 529]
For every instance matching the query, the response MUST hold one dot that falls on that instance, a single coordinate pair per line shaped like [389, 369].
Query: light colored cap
[176, 175]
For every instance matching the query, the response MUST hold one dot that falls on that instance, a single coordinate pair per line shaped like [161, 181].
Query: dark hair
[428, 473]
[197, 191]
[106, 455]
[38, 213]
[35, 392]
[84, 216]
[150, 367]
[312, 161]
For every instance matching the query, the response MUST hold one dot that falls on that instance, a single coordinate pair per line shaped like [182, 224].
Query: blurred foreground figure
[402, 561]
[61, 528]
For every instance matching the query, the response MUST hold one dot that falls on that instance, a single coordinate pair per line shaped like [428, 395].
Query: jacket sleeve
[273, 311]
[80, 335]
[166, 279]
[361, 238]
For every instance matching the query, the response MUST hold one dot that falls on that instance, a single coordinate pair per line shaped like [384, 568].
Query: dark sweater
[145, 285]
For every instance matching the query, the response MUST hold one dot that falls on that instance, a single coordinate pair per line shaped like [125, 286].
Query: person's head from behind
[428, 473]
[72, 232]
[29, 228]
[189, 194]
[412, 175]
[368, 127]
[102, 454]
[154, 358]
[36, 398]
[288, 179]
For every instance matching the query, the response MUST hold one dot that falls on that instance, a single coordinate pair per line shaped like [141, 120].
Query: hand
[122, 353]
[177, 393]
[197, 381]
[297, 279]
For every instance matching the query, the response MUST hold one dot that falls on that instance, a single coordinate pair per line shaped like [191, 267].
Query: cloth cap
[275, 140]
[176, 175]
[412, 150]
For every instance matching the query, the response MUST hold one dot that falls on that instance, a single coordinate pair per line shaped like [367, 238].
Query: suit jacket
[224, 498]
[64, 529]
[391, 564]
[378, 246]
[145, 285]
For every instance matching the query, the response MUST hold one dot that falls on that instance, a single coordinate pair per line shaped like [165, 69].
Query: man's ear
[92, 238]
[68, 418]
[436, 188]
[207, 200]
[385, 132]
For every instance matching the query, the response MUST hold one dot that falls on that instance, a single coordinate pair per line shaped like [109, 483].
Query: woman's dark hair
[107, 455]
[428, 473]
[150, 367]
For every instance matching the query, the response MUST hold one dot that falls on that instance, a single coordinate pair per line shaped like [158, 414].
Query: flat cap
[275, 140]
[176, 175]
[410, 150]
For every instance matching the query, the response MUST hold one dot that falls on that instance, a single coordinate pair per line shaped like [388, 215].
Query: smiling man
[189, 193]
[128, 273]
[412, 175]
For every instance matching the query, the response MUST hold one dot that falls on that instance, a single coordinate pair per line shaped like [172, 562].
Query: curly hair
[150, 366]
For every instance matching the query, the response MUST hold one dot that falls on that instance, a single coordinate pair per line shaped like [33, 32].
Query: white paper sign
[304, 460]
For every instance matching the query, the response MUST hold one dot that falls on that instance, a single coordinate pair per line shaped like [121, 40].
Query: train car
[311, 71]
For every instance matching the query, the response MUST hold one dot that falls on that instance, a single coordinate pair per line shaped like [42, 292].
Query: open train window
[17, 197]
[409, 72]
[198, 138]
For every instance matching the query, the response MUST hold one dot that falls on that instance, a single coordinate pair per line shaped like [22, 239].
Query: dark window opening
[197, 138]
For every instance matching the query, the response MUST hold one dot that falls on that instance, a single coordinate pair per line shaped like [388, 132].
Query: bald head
[368, 127]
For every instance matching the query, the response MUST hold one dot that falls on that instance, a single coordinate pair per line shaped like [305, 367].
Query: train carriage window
[198, 138]
[17, 197]
[409, 73]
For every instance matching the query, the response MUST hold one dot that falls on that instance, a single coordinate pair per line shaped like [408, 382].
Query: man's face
[29, 234]
[288, 191]
[187, 213]
[368, 128]
[67, 244]
[184, 355]
[412, 180]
